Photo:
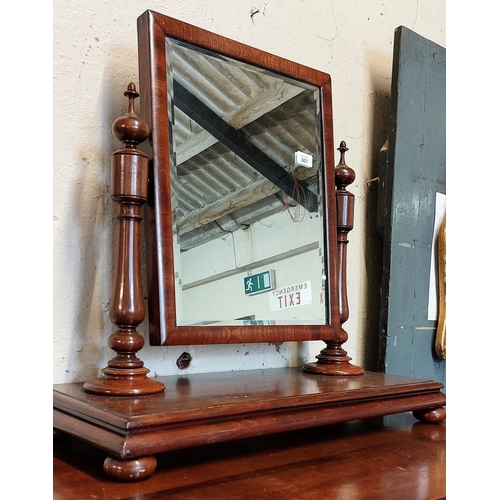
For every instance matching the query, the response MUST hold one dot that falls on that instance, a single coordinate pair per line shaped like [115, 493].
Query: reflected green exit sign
[258, 283]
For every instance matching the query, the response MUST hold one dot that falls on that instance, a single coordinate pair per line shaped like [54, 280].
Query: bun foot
[432, 416]
[133, 469]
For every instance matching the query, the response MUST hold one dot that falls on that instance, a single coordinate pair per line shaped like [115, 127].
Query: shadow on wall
[379, 118]
[89, 235]
[95, 234]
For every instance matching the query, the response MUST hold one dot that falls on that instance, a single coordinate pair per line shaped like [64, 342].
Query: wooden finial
[344, 175]
[342, 148]
[130, 128]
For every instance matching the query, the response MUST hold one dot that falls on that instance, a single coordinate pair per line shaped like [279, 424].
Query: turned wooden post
[333, 360]
[125, 374]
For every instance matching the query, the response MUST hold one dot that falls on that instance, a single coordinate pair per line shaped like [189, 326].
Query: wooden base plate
[210, 408]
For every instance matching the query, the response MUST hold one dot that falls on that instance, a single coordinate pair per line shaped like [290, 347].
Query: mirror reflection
[247, 176]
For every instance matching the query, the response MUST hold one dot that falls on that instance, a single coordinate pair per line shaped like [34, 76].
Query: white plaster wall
[224, 298]
[95, 57]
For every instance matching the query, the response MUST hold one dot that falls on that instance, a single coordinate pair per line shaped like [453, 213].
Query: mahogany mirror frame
[153, 28]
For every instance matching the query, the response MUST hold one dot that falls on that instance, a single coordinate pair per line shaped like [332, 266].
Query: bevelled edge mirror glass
[241, 219]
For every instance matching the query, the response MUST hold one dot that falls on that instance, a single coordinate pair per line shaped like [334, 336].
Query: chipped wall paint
[95, 57]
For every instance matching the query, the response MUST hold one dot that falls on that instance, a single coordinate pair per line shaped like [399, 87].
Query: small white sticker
[303, 159]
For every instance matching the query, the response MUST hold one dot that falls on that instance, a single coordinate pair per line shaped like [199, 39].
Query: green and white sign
[258, 283]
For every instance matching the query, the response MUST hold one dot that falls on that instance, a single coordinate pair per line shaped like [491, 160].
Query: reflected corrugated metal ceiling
[235, 130]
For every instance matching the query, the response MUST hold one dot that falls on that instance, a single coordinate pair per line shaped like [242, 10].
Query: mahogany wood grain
[125, 373]
[389, 458]
[217, 407]
[153, 27]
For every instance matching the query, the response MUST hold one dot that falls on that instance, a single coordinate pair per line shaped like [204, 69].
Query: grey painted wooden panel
[412, 170]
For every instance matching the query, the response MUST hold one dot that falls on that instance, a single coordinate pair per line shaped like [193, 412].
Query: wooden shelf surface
[387, 458]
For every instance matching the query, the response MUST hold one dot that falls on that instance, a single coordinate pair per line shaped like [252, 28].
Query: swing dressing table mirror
[238, 139]
[232, 214]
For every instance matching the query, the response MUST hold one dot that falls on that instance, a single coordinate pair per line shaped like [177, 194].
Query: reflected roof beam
[236, 141]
